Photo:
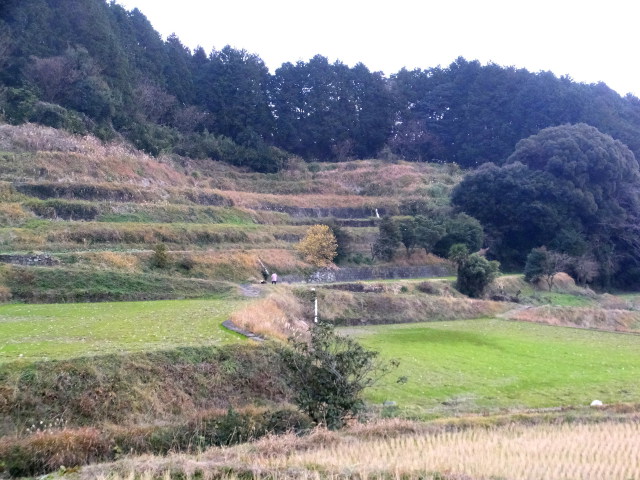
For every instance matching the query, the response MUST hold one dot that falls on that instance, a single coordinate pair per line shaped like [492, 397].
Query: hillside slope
[81, 205]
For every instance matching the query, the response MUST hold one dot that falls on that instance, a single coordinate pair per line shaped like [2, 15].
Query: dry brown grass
[418, 257]
[229, 264]
[581, 317]
[508, 284]
[370, 177]
[113, 260]
[244, 264]
[5, 293]
[410, 450]
[51, 449]
[9, 194]
[562, 282]
[612, 302]
[393, 307]
[19, 239]
[59, 156]
[256, 200]
[280, 260]
[202, 235]
[279, 316]
[361, 177]
[12, 214]
[609, 450]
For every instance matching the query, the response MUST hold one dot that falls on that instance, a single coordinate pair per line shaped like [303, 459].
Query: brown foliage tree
[319, 246]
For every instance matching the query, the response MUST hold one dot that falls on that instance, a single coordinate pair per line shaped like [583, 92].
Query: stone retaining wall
[370, 273]
[324, 212]
[35, 260]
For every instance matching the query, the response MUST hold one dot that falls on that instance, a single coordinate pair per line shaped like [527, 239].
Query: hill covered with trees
[555, 160]
[92, 66]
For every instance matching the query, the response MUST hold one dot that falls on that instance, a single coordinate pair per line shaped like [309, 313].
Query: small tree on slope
[329, 373]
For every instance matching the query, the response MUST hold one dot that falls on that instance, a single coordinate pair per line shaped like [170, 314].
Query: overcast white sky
[588, 40]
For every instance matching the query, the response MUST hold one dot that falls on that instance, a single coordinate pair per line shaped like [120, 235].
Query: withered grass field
[407, 450]
[517, 452]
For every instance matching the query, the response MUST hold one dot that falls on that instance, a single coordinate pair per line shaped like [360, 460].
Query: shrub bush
[329, 373]
[427, 287]
[160, 257]
[56, 208]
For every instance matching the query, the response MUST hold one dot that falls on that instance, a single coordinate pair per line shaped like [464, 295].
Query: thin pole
[315, 305]
[315, 310]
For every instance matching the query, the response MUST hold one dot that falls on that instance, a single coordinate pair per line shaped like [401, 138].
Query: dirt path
[249, 290]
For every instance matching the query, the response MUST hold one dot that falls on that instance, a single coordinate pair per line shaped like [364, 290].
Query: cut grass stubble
[517, 452]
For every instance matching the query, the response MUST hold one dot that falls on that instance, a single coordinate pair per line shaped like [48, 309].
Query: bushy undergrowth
[50, 450]
[138, 388]
[84, 410]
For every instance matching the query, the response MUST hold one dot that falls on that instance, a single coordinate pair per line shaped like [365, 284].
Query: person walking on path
[274, 278]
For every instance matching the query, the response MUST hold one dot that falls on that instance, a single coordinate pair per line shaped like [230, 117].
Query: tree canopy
[571, 188]
[92, 66]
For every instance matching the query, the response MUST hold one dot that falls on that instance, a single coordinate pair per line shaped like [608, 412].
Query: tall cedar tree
[388, 240]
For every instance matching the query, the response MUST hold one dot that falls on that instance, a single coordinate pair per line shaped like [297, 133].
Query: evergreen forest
[92, 66]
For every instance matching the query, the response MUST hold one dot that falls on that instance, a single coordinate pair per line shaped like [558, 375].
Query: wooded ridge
[92, 66]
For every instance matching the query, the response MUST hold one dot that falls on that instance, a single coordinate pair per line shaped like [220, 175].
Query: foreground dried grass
[279, 316]
[408, 450]
[517, 452]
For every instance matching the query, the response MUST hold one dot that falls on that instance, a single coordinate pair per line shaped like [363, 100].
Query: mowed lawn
[489, 364]
[39, 332]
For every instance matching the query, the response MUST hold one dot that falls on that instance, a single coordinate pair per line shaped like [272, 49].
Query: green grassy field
[37, 332]
[487, 365]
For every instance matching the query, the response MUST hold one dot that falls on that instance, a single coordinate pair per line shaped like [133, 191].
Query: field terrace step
[119, 193]
[325, 212]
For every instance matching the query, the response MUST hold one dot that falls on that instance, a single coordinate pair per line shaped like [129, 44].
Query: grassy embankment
[89, 382]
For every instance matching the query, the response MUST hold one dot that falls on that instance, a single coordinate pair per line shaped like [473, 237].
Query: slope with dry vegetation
[104, 206]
